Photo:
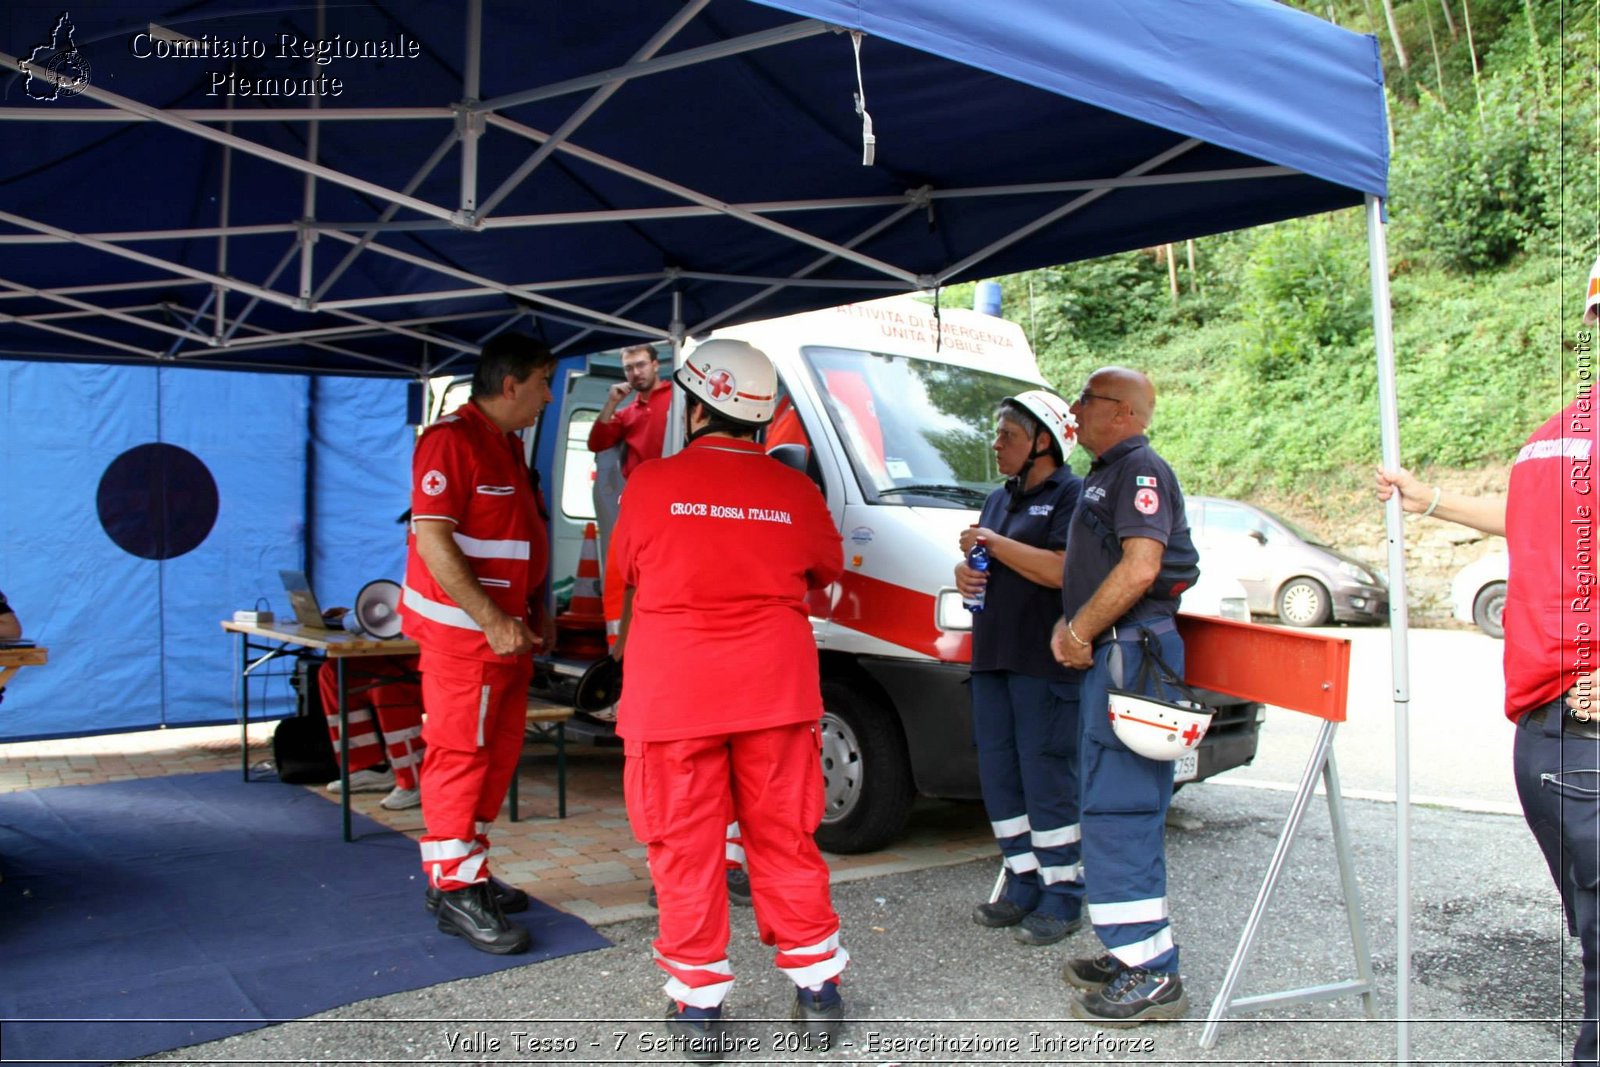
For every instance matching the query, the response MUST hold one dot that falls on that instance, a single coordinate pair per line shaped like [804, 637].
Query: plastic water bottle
[978, 560]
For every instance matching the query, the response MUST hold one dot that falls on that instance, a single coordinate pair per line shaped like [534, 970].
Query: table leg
[244, 706]
[344, 750]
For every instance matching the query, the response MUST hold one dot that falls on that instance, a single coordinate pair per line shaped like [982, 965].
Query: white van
[889, 407]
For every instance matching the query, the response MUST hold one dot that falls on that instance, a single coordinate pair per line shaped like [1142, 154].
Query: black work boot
[473, 915]
[1135, 996]
[697, 1032]
[1091, 973]
[509, 897]
[1000, 913]
[820, 1015]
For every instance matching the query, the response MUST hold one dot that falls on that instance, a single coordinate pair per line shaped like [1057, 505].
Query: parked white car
[1217, 595]
[1479, 592]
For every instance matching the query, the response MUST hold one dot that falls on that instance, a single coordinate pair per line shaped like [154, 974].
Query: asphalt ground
[1493, 972]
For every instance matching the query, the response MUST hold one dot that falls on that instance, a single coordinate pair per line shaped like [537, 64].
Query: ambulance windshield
[917, 431]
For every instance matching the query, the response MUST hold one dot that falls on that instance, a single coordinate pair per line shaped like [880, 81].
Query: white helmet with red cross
[733, 378]
[1155, 728]
[1053, 415]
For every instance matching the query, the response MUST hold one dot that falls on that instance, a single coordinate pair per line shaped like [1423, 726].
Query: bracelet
[1074, 634]
[1438, 491]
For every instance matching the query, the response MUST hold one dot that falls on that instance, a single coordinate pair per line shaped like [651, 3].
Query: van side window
[578, 467]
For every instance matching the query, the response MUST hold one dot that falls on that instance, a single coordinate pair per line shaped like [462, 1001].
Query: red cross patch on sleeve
[1146, 502]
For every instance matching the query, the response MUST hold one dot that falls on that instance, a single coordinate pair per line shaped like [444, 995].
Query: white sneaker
[367, 781]
[401, 799]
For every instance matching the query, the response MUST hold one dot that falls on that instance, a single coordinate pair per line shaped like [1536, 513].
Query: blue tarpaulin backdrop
[309, 473]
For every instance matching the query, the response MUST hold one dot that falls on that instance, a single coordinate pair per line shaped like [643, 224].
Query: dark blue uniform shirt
[1130, 492]
[1012, 633]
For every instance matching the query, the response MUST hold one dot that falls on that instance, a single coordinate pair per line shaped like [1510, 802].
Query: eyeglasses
[1086, 396]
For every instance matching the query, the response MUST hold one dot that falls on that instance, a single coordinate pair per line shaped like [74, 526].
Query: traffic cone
[582, 626]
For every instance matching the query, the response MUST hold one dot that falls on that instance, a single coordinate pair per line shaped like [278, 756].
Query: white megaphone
[376, 613]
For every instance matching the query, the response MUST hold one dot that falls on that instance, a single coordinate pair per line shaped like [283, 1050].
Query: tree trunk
[1472, 50]
[1394, 35]
[1172, 274]
[1438, 67]
[1450, 23]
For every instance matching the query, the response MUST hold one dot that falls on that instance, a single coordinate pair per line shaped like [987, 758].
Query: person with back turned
[718, 547]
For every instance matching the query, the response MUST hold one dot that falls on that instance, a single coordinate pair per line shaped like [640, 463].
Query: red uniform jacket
[466, 471]
[721, 543]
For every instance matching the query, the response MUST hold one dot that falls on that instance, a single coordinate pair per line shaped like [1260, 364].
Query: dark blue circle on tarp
[157, 501]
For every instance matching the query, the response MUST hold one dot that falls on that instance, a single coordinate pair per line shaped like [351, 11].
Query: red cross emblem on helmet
[720, 382]
[1192, 734]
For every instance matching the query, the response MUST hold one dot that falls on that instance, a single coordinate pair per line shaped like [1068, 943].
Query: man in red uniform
[475, 570]
[1551, 625]
[641, 427]
[719, 545]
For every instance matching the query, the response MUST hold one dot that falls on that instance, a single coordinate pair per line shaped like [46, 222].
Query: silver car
[1285, 570]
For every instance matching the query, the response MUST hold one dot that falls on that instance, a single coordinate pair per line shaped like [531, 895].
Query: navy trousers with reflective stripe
[1026, 730]
[1125, 798]
[1558, 782]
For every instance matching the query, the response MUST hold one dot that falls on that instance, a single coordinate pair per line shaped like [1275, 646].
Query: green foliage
[1265, 369]
[1302, 291]
[1476, 188]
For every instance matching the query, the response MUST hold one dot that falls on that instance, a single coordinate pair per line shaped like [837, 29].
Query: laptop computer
[303, 600]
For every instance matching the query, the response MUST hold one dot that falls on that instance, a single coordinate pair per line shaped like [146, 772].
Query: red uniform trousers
[397, 704]
[477, 718]
[676, 793]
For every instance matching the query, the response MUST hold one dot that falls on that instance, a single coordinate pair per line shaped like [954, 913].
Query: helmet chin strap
[1019, 481]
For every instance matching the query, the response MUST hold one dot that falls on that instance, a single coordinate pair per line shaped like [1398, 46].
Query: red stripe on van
[891, 613]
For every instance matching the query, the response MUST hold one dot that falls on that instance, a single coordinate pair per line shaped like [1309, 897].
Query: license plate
[1186, 767]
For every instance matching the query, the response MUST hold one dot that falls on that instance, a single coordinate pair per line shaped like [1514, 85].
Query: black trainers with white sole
[1134, 997]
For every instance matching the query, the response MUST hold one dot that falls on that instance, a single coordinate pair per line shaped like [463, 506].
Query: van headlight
[1235, 608]
[949, 613]
[1357, 572]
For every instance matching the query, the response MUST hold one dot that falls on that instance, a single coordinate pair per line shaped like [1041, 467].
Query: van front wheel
[866, 774]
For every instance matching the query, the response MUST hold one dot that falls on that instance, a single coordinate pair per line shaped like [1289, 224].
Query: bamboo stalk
[1472, 50]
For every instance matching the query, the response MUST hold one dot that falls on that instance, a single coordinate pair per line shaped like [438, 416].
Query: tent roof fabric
[594, 204]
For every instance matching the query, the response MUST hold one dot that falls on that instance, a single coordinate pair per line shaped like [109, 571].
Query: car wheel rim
[841, 768]
[1497, 611]
[1301, 603]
